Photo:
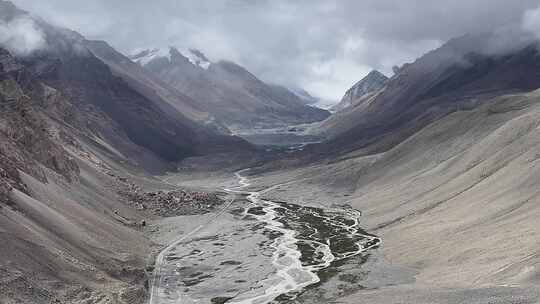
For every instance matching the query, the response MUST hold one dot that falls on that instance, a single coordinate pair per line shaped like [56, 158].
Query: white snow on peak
[196, 58]
[146, 56]
[205, 65]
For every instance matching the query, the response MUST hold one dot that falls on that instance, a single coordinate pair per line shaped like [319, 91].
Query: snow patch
[146, 56]
[196, 58]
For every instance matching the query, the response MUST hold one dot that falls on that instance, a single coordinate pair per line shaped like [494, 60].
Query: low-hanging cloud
[324, 46]
[531, 21]
[21, 36]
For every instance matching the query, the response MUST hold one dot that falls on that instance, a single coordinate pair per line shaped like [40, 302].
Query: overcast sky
[323, 46]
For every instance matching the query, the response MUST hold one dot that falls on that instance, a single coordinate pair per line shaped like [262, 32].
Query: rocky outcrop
[367, 86]
[166, 203]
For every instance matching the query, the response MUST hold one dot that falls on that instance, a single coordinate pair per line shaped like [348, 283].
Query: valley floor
[255, 251]
[376, 277]
[456, 206]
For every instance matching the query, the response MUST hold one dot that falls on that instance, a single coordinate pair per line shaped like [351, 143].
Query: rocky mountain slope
[56, 214]
[371, 83]
[74, 135]
[459, 75]
[442, 161]
[443, 164]
[227, 91]
[71, 217]
[144, 82]
[139, 116]
[304, 95]
[455, 204]
[355, 100]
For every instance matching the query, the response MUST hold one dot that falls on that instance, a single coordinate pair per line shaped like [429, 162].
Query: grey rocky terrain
[121, 180]
[76, 141]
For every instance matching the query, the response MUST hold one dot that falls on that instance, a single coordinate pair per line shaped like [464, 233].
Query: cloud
[21, 36]
[531, 21]
[322, 45]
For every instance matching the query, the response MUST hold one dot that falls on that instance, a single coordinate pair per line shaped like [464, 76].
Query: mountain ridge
[458, 75]
[372, 82]
[231, 93]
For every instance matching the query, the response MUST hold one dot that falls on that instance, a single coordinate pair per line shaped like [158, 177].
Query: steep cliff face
[356, 100]
[367, 86]
[27, 141]
[89, 82]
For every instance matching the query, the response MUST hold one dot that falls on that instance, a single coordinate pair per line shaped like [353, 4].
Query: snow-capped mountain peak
[197, 58]
[194, 56]
[146, 56]
[372, 82]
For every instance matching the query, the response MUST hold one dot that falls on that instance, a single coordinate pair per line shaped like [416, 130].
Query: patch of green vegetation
[230, 263]
[220, 300]
[349, 278]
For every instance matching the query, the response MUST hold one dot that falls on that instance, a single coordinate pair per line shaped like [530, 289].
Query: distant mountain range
[112, 99]
[459, 75]
[227, 91]
[441, 158]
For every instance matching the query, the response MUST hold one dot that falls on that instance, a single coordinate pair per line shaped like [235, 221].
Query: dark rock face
[90, 82]
[207, 136]
[26, 139]
[371, 83]
[23, 101]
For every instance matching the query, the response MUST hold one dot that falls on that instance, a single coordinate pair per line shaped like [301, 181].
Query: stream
[269, 252]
